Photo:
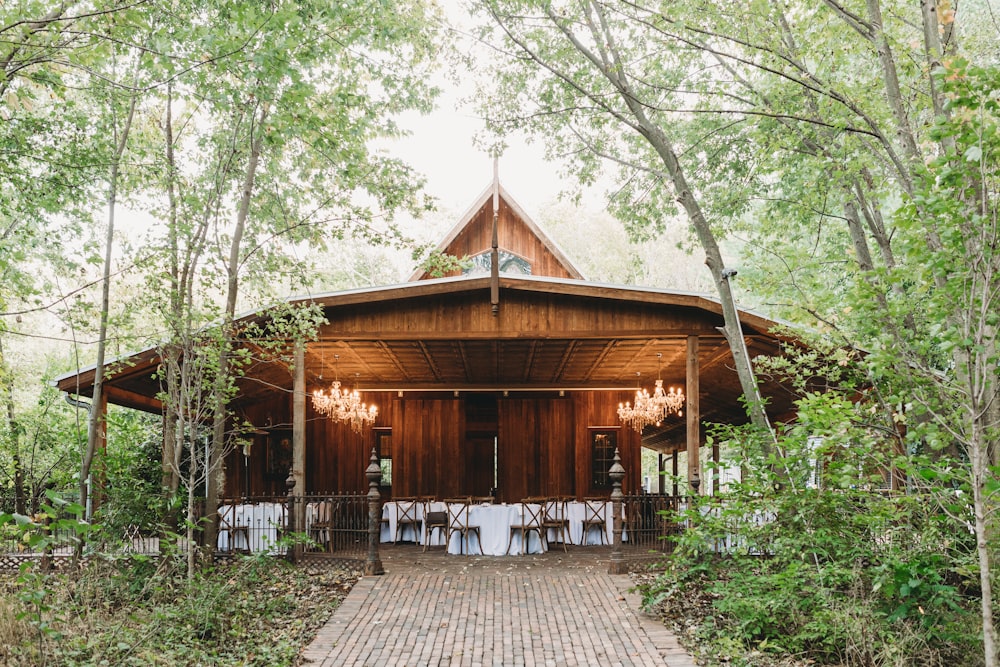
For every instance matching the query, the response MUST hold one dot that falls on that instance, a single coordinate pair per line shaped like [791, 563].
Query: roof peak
[468, 238]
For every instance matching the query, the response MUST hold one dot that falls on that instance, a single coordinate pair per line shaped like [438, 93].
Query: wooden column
[297, 475]
[676, 458]
[693, 415]
[661, 483]
[715, 473]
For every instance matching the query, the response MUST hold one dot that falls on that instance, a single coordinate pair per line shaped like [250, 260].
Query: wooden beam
[530, 361]
[693, 414]
[429, 359]
[605, 351]
[393, 359]
[465, 361]
[567, 354]
[131, 399]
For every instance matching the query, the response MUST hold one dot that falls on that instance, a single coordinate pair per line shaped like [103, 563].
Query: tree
[827, 135]
[265, 146]
[583, 73]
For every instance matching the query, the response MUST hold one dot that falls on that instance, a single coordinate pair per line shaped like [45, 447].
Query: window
[383, 449]
[509, 263]
[603, 442]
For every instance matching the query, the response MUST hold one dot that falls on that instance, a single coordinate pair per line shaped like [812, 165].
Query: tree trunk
[612, 68]
[95, 416]
[218, 449]
[20, 492]
[980, 473]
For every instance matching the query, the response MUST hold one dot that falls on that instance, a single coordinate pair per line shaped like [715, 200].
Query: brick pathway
[553, 609]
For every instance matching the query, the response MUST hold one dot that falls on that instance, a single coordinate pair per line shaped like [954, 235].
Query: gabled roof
[516, 228]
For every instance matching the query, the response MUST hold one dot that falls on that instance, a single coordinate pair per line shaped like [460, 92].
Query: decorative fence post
[373, 566]
[291, 519]
[617, 473]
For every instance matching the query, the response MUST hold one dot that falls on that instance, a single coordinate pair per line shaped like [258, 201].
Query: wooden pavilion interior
[503, 379]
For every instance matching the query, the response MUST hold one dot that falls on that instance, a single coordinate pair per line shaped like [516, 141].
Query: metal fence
[651, 521]
[336, 525]
[333, 525]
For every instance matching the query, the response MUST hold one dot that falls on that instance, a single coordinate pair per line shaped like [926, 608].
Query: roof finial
[495, 252]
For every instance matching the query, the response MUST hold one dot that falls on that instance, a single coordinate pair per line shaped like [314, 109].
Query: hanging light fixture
[652, 409]
[342, 405]
[629, 414]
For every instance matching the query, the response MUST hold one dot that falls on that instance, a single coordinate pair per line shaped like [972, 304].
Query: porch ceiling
[528, 365]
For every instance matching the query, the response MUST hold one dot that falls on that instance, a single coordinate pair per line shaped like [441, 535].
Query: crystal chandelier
[344, 406]
[652, 409]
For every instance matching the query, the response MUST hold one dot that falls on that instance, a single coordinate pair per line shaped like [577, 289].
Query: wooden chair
[434, 520]
[227, 524]
[458, 522]
[555, 519]
[320, 515]
[595, 515]
[532, 511]
[407, 515]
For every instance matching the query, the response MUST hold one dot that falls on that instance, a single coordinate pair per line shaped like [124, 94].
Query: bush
[838, 572]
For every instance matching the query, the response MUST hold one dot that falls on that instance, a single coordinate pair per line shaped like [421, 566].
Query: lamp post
[373, 566]
[617, 473]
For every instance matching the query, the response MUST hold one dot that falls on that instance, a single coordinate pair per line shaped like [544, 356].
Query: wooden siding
[427, 436]
[443, 447]
[513, 236]
[522, 315]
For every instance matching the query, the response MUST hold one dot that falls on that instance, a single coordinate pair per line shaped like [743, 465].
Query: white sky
[441, 147]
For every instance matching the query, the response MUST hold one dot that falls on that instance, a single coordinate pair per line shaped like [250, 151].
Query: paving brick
[555, 609]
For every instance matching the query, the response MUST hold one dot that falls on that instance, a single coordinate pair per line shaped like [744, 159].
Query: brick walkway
[552, 609]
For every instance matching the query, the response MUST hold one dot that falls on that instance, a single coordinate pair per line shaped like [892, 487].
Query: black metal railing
[651, 521]
[331, 524]
[336, 524]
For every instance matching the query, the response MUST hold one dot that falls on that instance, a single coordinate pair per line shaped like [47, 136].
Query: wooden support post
[373, 566]
[297, 475]
[617, 473]
[661, 485]
[693, 415]
[494, 247]
[676, 458]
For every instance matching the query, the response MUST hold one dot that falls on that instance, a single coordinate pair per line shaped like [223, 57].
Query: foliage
[136, 611]
[817, 561]
[132, 471]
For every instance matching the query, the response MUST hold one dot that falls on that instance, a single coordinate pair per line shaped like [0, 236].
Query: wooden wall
[443, 446]
[428, 458]
[513, 236]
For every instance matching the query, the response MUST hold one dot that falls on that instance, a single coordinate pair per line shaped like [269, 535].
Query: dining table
[494, 521]
[250, 527]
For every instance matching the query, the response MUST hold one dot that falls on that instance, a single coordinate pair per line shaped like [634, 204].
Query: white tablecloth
[261, 521]
[576, 513]
[494, 523]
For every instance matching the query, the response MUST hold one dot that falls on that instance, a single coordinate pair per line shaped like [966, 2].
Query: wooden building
[503, 381]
